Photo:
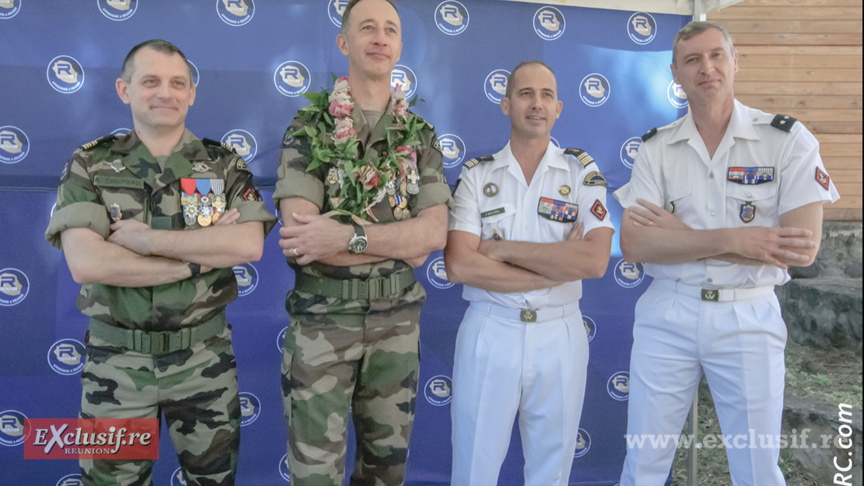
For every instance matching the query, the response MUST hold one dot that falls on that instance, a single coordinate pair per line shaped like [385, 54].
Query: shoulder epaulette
[783, 122]
[99, 141]
[580, 154]
[213, 143]
[479, 160]
[649, 134]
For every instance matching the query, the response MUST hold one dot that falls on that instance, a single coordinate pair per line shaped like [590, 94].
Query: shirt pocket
[678, 198]
[754, 204]
[497, 220]
[123, 197]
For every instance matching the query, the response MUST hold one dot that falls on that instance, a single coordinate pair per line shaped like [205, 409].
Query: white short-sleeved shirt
[493, 197]
[758, 172]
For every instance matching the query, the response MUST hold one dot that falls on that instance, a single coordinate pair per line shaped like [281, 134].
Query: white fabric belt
[526, 315]
[722, 295]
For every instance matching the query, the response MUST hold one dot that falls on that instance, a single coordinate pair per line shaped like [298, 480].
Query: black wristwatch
[357, 243]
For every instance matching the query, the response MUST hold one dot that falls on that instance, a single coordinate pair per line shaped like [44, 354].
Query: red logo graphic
[91, 438]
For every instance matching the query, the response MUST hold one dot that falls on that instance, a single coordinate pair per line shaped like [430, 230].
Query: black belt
[157, 342]
[373, 288]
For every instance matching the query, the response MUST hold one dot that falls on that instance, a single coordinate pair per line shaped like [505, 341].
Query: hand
[651, 214]
[576, 232]
[315, 237]
[228, 217]
[133, 235]
[780, 247]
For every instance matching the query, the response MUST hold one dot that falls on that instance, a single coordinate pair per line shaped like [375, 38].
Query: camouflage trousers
[360, 358]
[195, 390]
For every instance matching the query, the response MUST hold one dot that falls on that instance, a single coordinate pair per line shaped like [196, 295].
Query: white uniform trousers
[740, 346]
[503, 365]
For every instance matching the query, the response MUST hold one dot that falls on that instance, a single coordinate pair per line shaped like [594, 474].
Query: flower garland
[362, 182]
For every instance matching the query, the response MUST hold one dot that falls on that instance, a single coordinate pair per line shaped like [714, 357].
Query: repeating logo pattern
[292, 78]
[12, 428]
[65, 74]
[243, 142]
[439, 390]
[14, 287]
[118, 10]
[642, 28]
[9, 8]
[549, 23]
[437, 274]
[235, 12]
[677, 97]
[66, 357]
[14, 145]
[404, 77]
[594, 90]
[628, 152]
[247, 279]
[250, 408]
[495, 85]
[335, 9]
[452, 149]
[629, 275]
[583, 443]
[451, 18]
[618, 386]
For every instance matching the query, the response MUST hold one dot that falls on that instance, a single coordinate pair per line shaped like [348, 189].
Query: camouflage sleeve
[294, 180]
[242, 194]
[433, 187]
[79, 204]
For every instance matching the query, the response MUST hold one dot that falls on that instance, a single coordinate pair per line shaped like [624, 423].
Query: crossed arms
[521, 266]
[135, 255]
[652, 235]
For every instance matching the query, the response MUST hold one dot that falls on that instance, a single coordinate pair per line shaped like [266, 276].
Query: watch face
[357, 244]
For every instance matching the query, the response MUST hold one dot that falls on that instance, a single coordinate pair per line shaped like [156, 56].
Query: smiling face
[705, 67]
[532, 105]
[372, 40]
[159, 90]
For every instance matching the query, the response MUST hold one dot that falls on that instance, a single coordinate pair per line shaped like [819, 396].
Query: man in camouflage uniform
[135, 220]
[354, 337]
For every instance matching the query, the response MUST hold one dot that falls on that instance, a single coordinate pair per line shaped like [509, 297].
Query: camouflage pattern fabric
[122, 171]
[196, 391]
[196, 388]
[340, 354]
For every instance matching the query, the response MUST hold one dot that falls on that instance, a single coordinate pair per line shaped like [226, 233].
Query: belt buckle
[709, 295]
[528, 315]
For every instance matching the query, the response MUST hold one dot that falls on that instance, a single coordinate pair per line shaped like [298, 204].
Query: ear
[560, 106]
[674, 73]
[735, 60]
[194, 92]
[122, 90]
[342, 44]
[505, 106]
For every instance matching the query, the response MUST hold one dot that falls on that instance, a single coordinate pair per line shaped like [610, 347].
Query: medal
[218, 200]
[116, 213]
[189, 201]
[413, 186]
[564, 190]
[332, 176]
[205, 210]
[490, 189]
[390, 187]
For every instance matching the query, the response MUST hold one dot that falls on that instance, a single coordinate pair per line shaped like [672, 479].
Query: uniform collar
[740, 126]
[505, 158]
[138, 159]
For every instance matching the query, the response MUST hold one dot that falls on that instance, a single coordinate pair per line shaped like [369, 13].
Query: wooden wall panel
[803, 58]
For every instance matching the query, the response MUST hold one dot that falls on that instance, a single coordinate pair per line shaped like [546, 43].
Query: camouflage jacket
[295, 181]
[120, 172]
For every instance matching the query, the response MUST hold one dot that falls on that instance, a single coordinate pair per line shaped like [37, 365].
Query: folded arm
[320, 238]
[466, 264]
[576, 258]
[652, 235]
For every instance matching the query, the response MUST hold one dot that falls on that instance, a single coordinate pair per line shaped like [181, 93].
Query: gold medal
[564, 190]
[205, 220]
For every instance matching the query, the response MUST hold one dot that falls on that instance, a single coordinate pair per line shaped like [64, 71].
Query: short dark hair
[346, 14]
[522, 64]
[695, 28]
[157, 45]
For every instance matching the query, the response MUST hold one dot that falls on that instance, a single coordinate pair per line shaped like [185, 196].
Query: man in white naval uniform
[720, 203]
[528, 224]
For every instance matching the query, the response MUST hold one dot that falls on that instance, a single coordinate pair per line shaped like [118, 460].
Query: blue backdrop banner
[253, 59]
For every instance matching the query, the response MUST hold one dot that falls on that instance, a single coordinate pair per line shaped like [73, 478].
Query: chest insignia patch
[555, 210]
[750, 175]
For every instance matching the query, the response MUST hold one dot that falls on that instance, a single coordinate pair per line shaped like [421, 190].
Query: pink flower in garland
[368, 177]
